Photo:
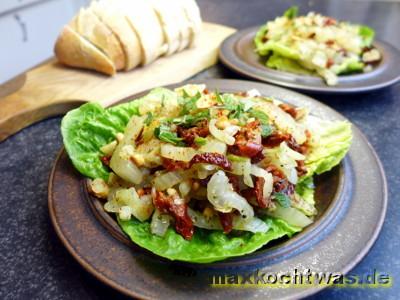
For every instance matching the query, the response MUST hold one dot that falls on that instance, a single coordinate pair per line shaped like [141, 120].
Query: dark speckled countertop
[34, 263]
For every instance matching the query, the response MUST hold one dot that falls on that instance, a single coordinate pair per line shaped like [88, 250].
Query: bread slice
[73, 50]
[145, 23]
[193, 16]
[183, 23]
[116, 21]
[167, 14]
[90, 27]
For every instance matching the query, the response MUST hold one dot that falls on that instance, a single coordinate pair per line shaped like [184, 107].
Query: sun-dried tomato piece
[329, 42]
[252, 126]
[212, 158]
[259, 193]
[247, 141]
[329, 21]
[292, 144]
[301, 168]
[303, 148]
[281, 184]
[178, 210]
[105, 160]
[173, 165]
[144, 191]
[234, 180]
[275, 139]
[249, 149]
[275, 171]
[242, 94]
[257, 158]
[189, 134]
[329, 63]
[289, 109]
[248, 194]
[226, 220]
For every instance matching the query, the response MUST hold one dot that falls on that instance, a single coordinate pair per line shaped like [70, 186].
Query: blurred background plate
[238, 53]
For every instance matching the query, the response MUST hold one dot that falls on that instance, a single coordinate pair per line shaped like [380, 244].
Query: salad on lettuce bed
[316, 45]
[200, 176]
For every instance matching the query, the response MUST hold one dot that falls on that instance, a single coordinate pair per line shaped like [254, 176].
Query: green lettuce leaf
[367, 34]
[305, 188]
[278, 48]
[90, 126]
[331, 142]
[350, 65]
[276, 61]
[258, 39]
[206, 246]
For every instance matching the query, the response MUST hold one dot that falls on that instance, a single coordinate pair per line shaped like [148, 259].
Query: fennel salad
[200, 176]
[316, 45]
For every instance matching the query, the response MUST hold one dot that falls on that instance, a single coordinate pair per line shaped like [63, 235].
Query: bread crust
[73, 50]
[90, 27]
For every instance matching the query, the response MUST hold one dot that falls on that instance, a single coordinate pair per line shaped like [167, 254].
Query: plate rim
[309, 291]
[228, 57]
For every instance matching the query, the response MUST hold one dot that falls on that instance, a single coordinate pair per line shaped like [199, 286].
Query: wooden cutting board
[51, 89]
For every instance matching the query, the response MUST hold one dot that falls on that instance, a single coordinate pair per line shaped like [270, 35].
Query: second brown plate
[238, 53]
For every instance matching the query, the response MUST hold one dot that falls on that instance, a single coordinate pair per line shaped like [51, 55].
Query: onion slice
[221, 195]
[225, 136]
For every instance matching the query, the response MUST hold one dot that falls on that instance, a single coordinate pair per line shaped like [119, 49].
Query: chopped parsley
[191, 120]
[200, 141]
[266, 130]
[218, 97]
[149, 119]
[282, 199]
[164, 133]
[292, 12]
[235, 107]
[189, 103]
[259, 115]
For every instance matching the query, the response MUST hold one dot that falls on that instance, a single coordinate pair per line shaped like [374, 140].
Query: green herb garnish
[235, 107]
[282, 199]
[191, 120]
[200, 141]
[266, 130]
[164, 133]
[189, 103]
[291, 12]
[236, 158]
[259, 115]
[218, 97]
[149, 119]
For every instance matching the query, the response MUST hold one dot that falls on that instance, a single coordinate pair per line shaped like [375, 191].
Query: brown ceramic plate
[237, 53]
[352, 201]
